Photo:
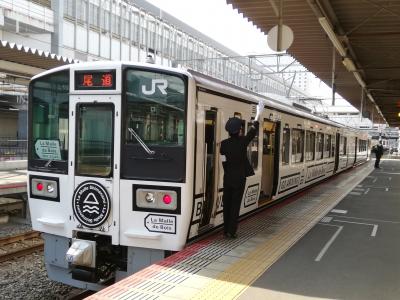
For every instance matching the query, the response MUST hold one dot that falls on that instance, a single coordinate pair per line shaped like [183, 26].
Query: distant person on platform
[378, 154]
[236, 168]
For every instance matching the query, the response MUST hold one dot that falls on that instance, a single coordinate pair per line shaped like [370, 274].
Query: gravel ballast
[26, 277]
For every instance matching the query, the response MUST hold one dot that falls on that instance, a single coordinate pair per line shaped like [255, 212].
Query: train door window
[327, 145]
[344, 145]
[320, 146]
[252, 150]
[285, 146]
[95, 139]
[268, 138]
[268, 160]
[310, 145]
[297, 145]
[333, 145]
[341, 145]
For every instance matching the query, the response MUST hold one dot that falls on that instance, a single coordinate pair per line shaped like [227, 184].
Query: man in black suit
[236, 168]
[378, 154]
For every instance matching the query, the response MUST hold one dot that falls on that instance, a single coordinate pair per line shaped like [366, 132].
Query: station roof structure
[22, 62]
[365, 35]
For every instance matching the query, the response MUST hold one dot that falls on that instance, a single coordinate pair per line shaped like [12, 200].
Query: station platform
[336, 240]
[13, 182]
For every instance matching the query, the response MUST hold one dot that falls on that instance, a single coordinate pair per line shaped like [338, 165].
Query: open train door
[268, 161]
[207, 167]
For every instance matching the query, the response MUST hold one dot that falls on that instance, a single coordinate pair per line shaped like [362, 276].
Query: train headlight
[50, 188]
[149, 197]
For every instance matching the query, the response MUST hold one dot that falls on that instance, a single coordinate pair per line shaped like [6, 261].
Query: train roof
[111, 64]
[237, 92]
[204, 81]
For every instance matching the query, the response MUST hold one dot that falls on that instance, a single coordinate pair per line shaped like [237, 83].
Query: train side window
[327, 144]
[320, 146]
[310, 145]
[297, 145]
[252, 150]
[285, 146]
[333, 146]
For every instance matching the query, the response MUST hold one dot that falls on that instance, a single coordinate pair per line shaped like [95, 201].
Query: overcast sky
[219, 21]
[222, 23]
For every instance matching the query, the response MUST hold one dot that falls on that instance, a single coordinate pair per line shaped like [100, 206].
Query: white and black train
[124, 163]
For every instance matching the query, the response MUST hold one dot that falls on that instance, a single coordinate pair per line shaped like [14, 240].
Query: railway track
[20, 245]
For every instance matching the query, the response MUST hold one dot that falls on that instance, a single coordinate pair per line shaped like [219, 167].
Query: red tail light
[167, 199]
[39, 186]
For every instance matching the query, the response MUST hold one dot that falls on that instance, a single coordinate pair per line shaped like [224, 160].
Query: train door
[207, 167]
[268, 161]
[95, 163]
[337, 148]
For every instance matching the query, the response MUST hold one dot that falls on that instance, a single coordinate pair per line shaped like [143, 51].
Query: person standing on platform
[236, 168]
[378, 154]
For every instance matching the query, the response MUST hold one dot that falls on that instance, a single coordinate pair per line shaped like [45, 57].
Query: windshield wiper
[137, 137]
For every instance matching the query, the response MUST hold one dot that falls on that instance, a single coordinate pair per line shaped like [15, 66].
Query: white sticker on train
[251, 195]
[160, 223]
[48, 149]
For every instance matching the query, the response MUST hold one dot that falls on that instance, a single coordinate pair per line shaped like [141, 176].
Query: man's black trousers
[377, 160]
[231, 200]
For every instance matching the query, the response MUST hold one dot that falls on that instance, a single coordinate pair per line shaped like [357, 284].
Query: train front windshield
[155, 126]
[48, 143]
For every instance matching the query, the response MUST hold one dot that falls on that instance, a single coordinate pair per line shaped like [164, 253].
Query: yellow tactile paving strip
[225, 268]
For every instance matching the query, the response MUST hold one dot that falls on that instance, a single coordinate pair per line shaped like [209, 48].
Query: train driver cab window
[285, 146]
[297, 145]
[310, 145]
[48, 123]
[320, 146]
[327, 145]
[155, 126]
[252, 150]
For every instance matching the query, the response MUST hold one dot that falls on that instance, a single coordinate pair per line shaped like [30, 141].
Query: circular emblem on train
[91, 204]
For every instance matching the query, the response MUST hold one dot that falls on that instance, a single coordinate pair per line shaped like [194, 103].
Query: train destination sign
[160, 223]
[48, 149]
[95, 80]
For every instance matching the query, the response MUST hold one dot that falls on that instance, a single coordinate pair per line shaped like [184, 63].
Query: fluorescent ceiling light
[332, 36]
[348, 63]
[359, 79]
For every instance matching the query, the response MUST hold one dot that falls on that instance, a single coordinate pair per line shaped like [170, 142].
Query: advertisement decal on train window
[95, 80]
[48, 149]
